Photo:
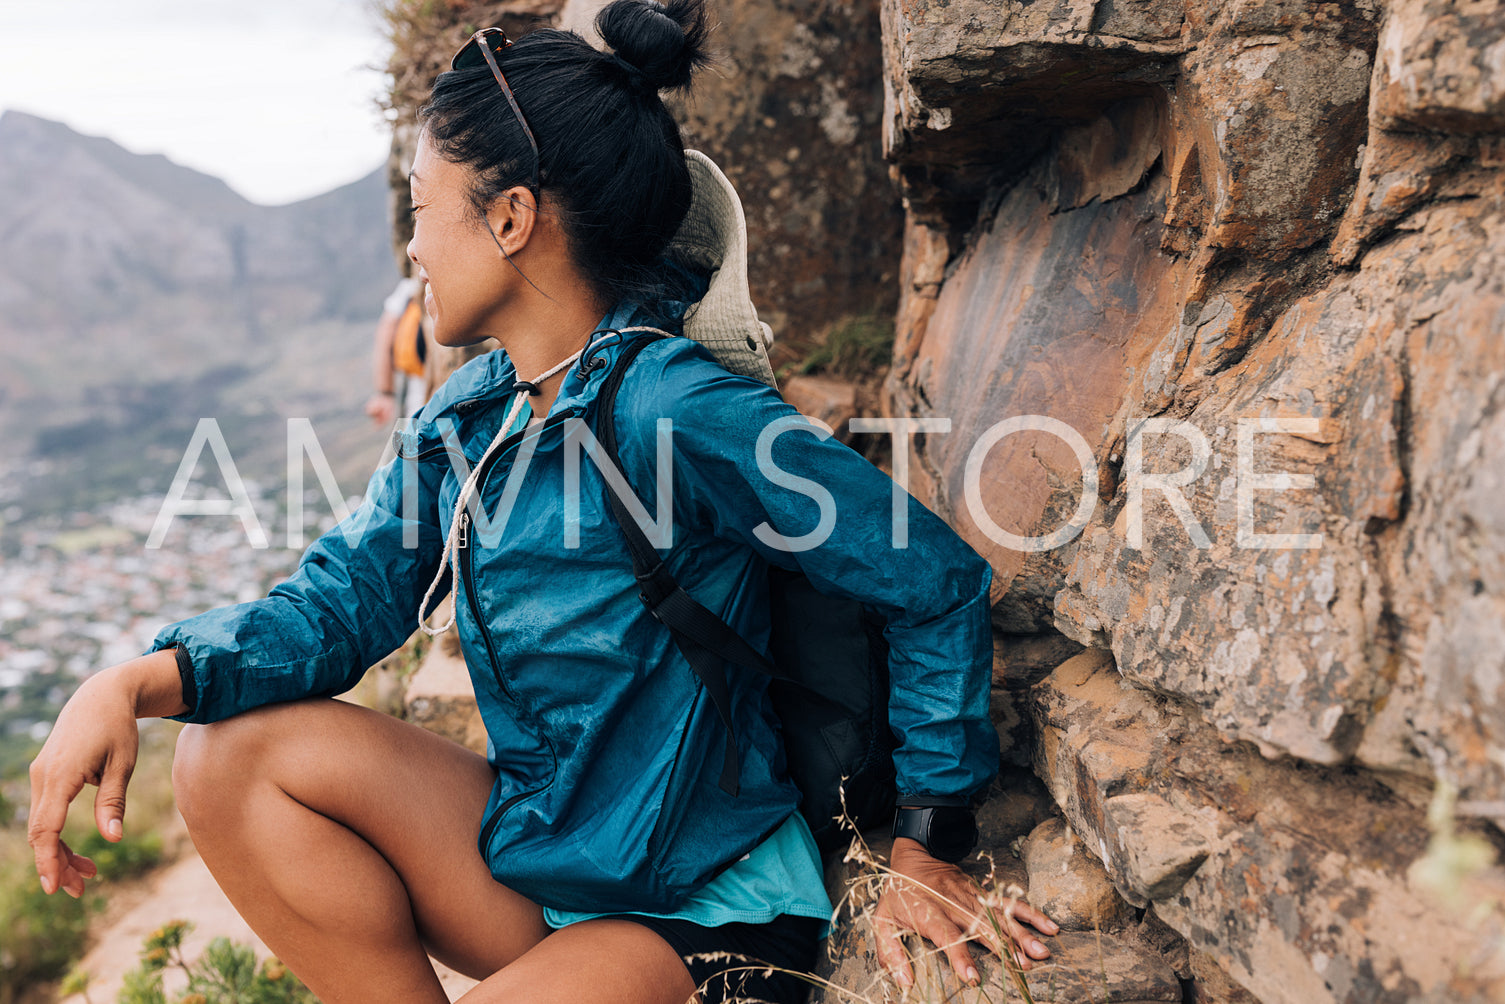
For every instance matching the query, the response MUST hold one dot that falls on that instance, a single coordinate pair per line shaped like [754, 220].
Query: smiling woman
[633, 826]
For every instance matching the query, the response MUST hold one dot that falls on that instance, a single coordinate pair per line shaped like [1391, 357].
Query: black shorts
[786, 942]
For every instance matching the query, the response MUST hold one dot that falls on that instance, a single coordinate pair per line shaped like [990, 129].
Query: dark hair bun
[663, 42]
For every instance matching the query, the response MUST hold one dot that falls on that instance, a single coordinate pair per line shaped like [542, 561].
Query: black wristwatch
[948, 832]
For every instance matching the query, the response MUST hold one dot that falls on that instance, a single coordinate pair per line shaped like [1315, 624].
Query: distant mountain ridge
[83, 218]
[137, 295]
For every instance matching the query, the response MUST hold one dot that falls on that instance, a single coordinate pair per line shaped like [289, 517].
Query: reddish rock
[792, 112]
[1068, 884]
[1252, 600]
[1442, 564]
[1441, 67]
[1400, 172]
[973, 83]
[1021, 328]
[1279, 92]
[833, 402]
[922, 267]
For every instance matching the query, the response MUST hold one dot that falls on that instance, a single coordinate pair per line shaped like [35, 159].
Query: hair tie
[637, 80]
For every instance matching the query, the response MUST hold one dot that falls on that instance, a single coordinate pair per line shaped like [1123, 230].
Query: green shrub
[225, 974]
[131, 856]
[855, 349]
[44, 934]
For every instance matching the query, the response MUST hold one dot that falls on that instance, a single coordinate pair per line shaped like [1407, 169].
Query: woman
[547, 185]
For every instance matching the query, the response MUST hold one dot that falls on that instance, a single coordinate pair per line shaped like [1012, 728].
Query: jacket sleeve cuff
[185, 675]
[917, 801]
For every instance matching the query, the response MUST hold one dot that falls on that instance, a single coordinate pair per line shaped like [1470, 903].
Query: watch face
[953, 833]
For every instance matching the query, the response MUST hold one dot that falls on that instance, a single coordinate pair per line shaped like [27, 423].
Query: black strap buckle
[654, 586]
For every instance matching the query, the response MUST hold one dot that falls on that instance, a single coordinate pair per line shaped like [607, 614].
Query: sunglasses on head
[480, 49]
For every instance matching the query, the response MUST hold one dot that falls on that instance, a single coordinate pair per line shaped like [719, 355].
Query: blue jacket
[607, 751]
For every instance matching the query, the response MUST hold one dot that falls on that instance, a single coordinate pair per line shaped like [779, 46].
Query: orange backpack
[408, 346]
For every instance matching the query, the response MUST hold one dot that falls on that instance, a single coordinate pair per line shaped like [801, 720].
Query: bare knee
[213, 764]
[193, 767]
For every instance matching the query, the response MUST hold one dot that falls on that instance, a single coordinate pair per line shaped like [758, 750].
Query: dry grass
[856, 910]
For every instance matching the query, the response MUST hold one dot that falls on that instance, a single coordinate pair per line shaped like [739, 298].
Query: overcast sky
[277, 97]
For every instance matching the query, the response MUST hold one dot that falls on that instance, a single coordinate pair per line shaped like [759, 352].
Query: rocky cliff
[1199, 317]
[1211, 295]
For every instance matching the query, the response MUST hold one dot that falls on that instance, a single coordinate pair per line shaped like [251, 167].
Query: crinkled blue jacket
[606, 748]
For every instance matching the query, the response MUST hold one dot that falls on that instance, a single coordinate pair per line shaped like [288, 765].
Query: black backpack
[828, 660]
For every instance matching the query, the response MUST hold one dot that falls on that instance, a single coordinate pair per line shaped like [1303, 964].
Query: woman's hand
[916, 899]
[94, 741]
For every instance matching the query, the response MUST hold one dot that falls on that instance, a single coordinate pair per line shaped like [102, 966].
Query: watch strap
[914, 823]
[947, 832]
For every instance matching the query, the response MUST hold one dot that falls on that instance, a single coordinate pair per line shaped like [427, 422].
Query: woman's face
[454, 251]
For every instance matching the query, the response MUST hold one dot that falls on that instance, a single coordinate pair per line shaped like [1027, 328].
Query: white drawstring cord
[450, 544]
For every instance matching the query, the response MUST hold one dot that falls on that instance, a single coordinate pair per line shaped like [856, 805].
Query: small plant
[854, 349]
[225, 974]
[76, 983]
[1460, 870]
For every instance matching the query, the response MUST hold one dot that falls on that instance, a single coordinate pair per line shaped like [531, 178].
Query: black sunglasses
[478, 49]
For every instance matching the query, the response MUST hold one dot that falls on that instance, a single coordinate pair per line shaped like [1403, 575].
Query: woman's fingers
[942, 903]
[906, 907]
[1029, 942]
[84, 866]
[888, 935]
[94, 741]
[76, 869]
[953, 941]
[49, 810]
[945, 926]
[1026, 938]
[109, 801]
[999, 927]
[1029, 915]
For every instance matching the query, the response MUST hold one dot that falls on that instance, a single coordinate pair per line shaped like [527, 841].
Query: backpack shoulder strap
[706, 641]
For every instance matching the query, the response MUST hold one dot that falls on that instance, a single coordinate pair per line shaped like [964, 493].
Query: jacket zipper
[467, 572]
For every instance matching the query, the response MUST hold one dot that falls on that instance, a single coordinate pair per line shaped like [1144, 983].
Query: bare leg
[347, 839]
[594, 962]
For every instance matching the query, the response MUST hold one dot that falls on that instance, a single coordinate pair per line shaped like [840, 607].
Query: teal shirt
[780, 875]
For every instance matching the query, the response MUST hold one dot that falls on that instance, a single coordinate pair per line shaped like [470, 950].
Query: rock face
[1212, 297]
[1204, 305]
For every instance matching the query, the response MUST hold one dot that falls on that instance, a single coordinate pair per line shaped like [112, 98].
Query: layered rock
[1212, 298]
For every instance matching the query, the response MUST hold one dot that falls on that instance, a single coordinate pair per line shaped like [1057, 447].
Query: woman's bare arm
[95, 741]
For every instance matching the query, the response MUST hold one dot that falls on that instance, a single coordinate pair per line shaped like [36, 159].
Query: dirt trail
[182, 890]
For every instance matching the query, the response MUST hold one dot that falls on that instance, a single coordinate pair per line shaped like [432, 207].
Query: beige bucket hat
[713, 237]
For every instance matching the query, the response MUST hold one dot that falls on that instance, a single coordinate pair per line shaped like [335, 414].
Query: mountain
[137, 295]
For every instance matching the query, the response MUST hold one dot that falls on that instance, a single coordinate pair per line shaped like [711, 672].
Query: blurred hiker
[399, 349]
